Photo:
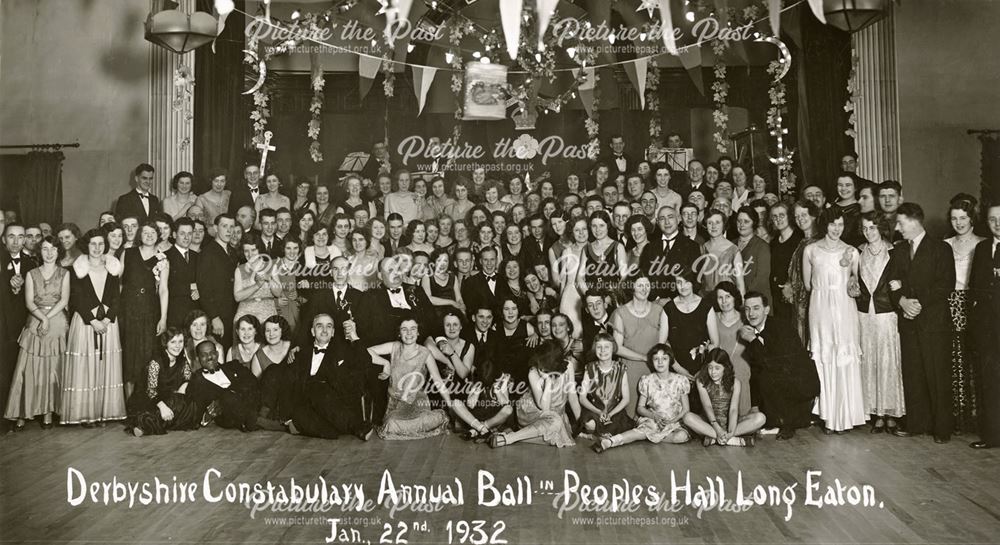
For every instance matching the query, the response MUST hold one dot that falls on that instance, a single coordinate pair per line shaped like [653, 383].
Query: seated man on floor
[329, 375]
[228, 392]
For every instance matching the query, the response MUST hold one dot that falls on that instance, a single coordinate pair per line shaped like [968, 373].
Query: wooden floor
[929, 493]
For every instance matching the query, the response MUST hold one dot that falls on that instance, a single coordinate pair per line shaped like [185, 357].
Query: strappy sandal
[498, 440]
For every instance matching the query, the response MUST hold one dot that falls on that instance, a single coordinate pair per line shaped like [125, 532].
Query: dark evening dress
[140, 313]
[161, 383]
[687, 331]
[602, 270]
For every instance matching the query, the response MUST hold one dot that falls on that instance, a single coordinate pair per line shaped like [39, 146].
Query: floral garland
[316, 122]
[592, 123]
[720, 92]
[653, 101]
[853, 89]
[184, 98]
[389, 79]
[457, 31]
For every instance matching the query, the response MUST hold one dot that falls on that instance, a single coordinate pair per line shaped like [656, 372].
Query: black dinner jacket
[930, 278]
[484, 351]
[656, 261]
[778, 351]
[182, 275]
[322, 302]
[378, 321]
[215, 281]
[532, 255]
[984, 288]
[14, 304]
[342, 369]
[241, 196]
[242, 383]
[613, 169]
[129, 204]
[476, 293]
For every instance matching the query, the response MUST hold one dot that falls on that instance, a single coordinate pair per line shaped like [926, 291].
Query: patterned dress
[663, 397]
[718, 264]
[262, 304]
[409, 414]
[963, 387]
[721, 402]
[35, 383]
[605, 393]
[162, 382]
[552, 425]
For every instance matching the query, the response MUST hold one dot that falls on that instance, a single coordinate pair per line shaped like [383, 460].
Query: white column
[171, 127]
[877, 109]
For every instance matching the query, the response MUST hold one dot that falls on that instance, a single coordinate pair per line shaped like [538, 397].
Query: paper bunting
[691, 59]
[586, 89]
[636, 72]
[367, 69]
[510, 19]
[545, 10]
[668, 27]
[817, 9]
[423, 76]
[774, 14]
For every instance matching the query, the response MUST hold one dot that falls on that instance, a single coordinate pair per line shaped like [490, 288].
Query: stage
[923, 492]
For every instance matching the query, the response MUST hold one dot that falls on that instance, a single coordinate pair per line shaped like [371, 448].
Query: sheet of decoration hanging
[533, 58]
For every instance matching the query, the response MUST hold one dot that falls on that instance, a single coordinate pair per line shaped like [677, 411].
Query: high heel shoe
[19, 426]
[878, 426]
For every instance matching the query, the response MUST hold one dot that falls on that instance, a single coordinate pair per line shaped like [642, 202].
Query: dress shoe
[365, 433]
[980, 444]
[941, 439]
[785, 433]
[899, 432]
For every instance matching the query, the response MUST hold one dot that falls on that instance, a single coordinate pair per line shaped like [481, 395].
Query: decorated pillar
[875, 113]
[171, 111]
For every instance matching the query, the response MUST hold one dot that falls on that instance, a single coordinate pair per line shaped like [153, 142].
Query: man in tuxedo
[609, 195]
[216, 267]
[379, 162]
[246, 193]
[984, 286]
[671, 252]
[480, 290]
[619, 217]
[923, 279]
[597, 320]
[336, 299]
[378, 318]
[271, 243]
[33, 242]
[14, 266]
[182, 284]
[329, 378]
[618, 161]
[783, 379]
[284, 219]
[694, 181]
[139, 202]
[228, 393]
[246, 217]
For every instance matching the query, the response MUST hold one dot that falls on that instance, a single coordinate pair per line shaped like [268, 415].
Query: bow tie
[16, 260]
[207, 372]
[396, 291]
[491, 277]
[319, 350]
[143, 195]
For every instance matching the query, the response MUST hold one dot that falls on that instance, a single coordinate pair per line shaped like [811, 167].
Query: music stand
[677, 158]
[354, 162]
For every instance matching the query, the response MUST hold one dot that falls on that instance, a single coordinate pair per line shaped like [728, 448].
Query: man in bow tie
[618, 161]
[378, 318]
[671, 252]
[327, 392]
[139, 202]
[14, 266]
[482, 289]
[228, 393]
[246, 192]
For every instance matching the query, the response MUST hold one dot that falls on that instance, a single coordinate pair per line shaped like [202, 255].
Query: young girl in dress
[605, 392]
[720, 395]
[662, 408]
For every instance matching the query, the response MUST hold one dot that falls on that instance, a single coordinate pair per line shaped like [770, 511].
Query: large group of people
[627, 303]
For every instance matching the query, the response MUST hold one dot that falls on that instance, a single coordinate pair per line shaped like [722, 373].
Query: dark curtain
[31, 185]
[221, 119]
[41, 189]
[990, 173]
[822, 64]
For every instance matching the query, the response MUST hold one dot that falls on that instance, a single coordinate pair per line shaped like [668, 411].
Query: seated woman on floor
[720, 395]
[409, 414]
[488, 399]
[163, 404]
[542, 412]
[663, 404]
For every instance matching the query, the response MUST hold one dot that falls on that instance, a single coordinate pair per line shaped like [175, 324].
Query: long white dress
[835, 338]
